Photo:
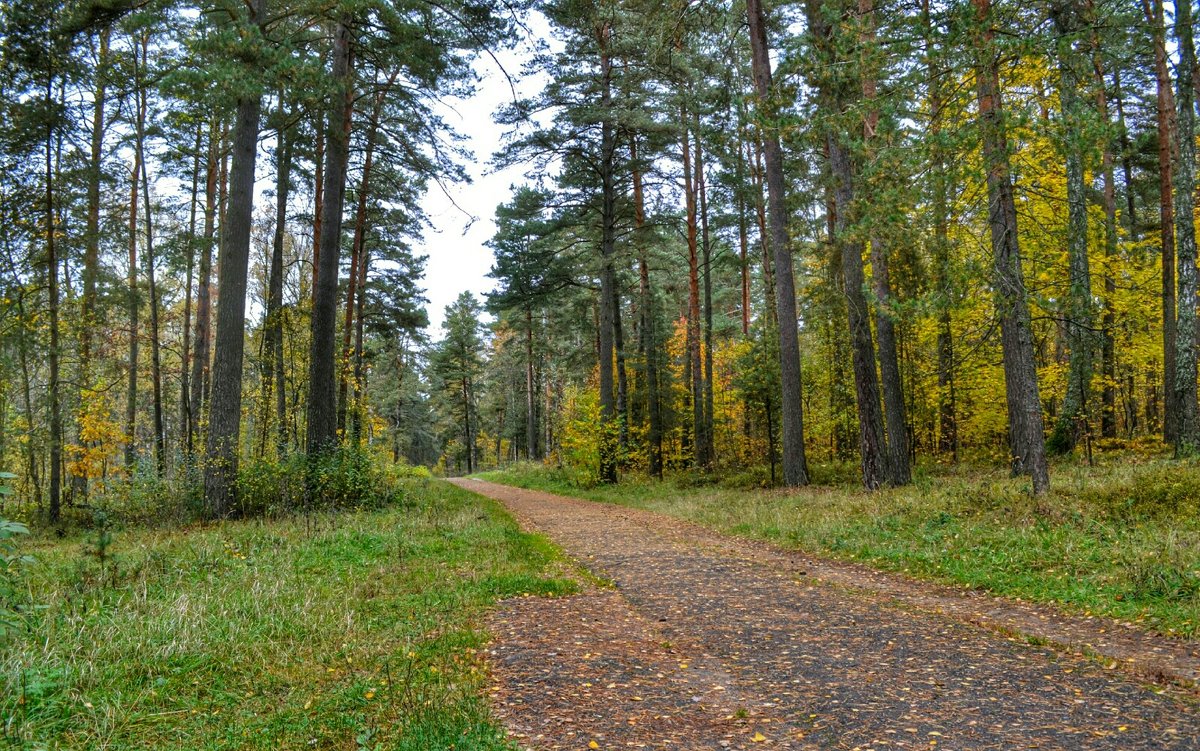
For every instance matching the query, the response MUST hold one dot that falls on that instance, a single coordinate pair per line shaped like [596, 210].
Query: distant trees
[748, 233]
[456, 366]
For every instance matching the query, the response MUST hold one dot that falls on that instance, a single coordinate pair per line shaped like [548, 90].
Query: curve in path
[701, 647]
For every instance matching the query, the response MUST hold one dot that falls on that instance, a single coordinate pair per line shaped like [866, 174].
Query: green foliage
[10, 560]
[347, 478]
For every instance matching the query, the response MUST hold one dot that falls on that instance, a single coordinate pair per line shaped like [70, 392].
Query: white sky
[463, 221]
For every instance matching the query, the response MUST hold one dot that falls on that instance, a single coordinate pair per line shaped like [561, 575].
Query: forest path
[711, 642]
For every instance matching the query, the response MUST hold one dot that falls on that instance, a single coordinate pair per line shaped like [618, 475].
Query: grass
[358, 631]
[1121, 540]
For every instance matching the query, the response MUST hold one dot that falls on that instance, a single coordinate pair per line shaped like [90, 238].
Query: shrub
[10, 560]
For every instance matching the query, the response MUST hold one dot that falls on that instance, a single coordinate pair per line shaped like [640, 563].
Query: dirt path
[709, 642]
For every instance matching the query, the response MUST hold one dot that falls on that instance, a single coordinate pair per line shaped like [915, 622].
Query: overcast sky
[462, 215]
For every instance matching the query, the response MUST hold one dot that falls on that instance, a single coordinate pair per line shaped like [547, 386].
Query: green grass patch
[1121, 540]
[341, 631]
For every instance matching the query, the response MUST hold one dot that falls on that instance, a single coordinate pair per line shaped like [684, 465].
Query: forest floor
[708, 641]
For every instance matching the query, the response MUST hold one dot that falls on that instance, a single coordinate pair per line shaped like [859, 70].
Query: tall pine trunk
[1187, 410]
[832, 99]
[225, 410]
[1165, 119]
[795, 468]
[202, 336]
[895, 421]
[160, 448]
[91, 253]
[322, 410]
[695, 372]
[185, 412]
[1108, 364]
[273, 369]
[1072, 421]
[131, 395]
[648, 328]
[608, 209]
[531, 429]
[710, 453]
[53, 356]
[1025, 425]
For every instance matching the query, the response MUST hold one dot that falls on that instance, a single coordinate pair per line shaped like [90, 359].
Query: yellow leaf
[593, 744]
[758, 738]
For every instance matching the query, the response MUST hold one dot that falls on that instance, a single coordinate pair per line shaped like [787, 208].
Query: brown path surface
[710, 642]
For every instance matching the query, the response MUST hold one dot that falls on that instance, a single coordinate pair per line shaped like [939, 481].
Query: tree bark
[895, 420]
[710, 452]
[225, 411]
[648, 328]
[1108, 366]
[185, 412]
[322, 412]
[1165, 109]
[695, 372]
[531, 430]
[871, 440]
[132, 392]
[832, 98]
[200, 358]
[160, 439]
[795, 469]
[318, 202]
[273, 369]
[1187, 411]
[1072, 421]
[1025, 423]
[608, 191]
[55, 405]
[91, 253]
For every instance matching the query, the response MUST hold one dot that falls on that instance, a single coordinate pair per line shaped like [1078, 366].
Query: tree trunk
[318, 202]
[160, 439]
[743, 241]
[795, 469]
[1165, 108]
[940, 189]
[200, 358]
[760, 203]
[273, 371]
[871, 441]
[1072, 421]
[360, 384]
[1108, 367]
[531, 431]
[622, 375]
[1025, 423]
[132, 393]
[225, 411]
[322, 412]
[895, 421]
[55, 406]
[648, 328]
[608, 196]
[1188, 417]
[710, 453]
[695, 372]
[185, 412]
[91, 253]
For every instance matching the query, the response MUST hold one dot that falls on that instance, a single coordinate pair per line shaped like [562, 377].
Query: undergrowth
[353, 630]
